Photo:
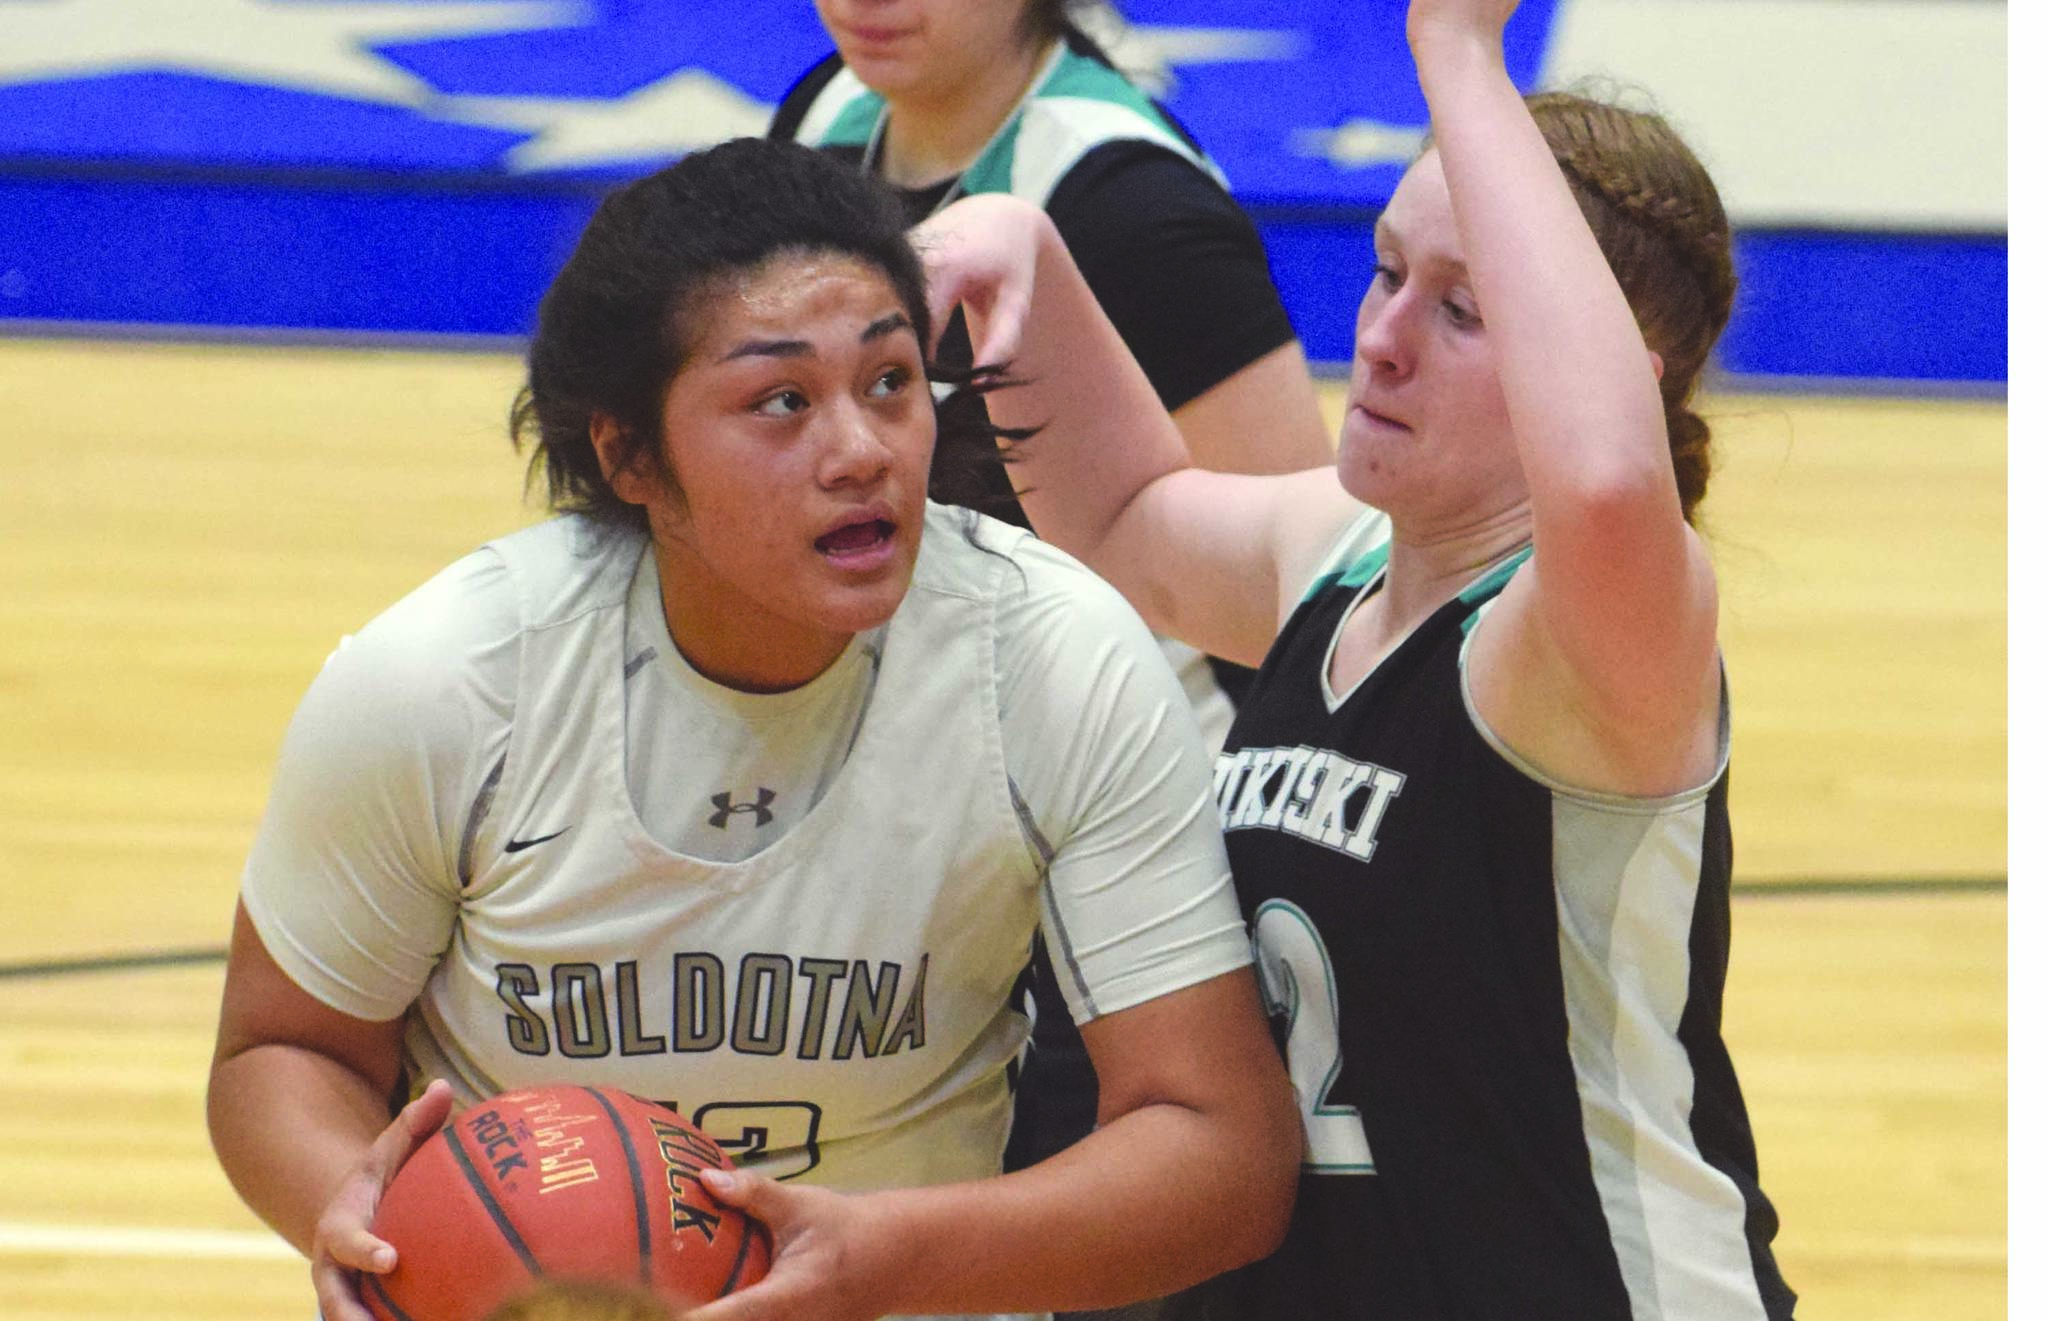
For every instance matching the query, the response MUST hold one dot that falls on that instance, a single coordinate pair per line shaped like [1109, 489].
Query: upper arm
[1598, 687]
[354, 876]
[1220, 560]
[1105, 754]
[1206, 1047]
[1630, 612]
[262, 1006]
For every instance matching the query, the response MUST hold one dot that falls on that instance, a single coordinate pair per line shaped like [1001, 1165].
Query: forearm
[288, 1125]
[1104, 436]
[1580, 388]
[1151, 1202]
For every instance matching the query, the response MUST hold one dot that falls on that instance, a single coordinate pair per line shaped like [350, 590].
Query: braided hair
[1658, 219]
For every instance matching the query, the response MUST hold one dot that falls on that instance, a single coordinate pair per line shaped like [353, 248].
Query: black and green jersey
[1500, 1000]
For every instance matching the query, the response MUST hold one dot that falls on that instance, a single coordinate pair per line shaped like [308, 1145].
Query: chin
[1364, 474]
[857, 610]
[887, 73]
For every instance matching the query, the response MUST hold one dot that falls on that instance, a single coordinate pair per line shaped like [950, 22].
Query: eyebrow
[797, 348]
[1382, 231]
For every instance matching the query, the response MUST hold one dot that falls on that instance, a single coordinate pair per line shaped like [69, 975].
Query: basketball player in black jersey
[1477, 797]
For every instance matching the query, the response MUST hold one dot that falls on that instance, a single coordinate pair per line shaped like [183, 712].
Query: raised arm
[1207, 557]
[1619, 606]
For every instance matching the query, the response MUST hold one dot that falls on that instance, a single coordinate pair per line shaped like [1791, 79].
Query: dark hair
[1658, 218]
[616, 325]
[1046, 19]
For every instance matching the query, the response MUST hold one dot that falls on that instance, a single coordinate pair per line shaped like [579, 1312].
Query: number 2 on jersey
[1299, 985]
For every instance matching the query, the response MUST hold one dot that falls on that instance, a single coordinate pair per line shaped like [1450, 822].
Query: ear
[1656, 364]
[629, 480]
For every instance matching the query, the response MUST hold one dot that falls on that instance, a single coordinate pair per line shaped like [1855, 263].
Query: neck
[936, 135]
[731, 641]
[1425, 571]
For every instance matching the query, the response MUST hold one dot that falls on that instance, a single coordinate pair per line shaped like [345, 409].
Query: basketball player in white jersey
[744, 786]
[1476, 798]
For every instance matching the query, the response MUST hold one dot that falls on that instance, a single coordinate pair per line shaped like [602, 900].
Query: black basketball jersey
[1500, 1001]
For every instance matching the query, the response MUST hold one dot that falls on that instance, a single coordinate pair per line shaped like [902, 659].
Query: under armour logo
[727, 807]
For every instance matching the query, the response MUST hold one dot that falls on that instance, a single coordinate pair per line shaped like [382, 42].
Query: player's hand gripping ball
[553, 1183]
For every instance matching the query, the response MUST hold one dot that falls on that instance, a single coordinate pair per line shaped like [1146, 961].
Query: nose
[1386, 340]
[853, 452]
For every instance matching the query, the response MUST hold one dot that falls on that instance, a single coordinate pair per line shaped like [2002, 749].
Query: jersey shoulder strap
[568, 566]
[1358, 552]
[1077, 105]
[843, 111]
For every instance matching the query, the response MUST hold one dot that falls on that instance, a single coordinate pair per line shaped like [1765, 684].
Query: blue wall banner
[420, 168]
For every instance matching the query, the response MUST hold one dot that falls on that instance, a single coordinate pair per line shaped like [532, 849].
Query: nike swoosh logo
[514, 845]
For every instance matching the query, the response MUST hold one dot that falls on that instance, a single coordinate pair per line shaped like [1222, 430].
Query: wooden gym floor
[187, 530]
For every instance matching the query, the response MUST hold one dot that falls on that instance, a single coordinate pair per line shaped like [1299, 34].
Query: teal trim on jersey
[1355, 574]
[1085, 80]
[856, 121]
[991, 170]
[1492, 583]
[1362, 570]
[1072, 78]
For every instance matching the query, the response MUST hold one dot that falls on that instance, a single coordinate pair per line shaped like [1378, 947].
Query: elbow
[1621, 484]
[1269, 1186]
[1628, 510]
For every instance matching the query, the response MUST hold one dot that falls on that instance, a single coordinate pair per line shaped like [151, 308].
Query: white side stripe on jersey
[1623, 924]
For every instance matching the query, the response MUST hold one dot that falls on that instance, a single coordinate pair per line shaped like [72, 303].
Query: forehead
[1420, 209]
[813, 297]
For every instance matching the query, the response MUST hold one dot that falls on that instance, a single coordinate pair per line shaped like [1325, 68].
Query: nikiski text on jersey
[1314, 794]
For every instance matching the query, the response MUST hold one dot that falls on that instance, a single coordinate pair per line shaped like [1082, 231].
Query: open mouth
[857, 538]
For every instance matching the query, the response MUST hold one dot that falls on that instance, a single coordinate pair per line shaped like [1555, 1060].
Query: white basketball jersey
[452, 836]
[737, 990]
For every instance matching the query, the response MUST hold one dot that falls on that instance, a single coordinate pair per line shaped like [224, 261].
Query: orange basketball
[552, 1183]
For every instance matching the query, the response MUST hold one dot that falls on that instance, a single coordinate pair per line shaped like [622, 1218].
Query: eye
[1461, 316]
[783, 403]
[1387, 275]
[892, 382]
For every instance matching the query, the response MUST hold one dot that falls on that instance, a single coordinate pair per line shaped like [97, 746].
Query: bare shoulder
[1655, 732]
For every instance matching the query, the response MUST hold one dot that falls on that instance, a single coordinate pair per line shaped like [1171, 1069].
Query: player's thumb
[763, 1199]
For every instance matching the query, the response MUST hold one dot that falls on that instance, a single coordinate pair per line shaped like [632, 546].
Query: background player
[746, 786]
[1478, 791]
[944, 99]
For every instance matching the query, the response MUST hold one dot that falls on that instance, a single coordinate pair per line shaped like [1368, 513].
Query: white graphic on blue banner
[1360, 142]
[1859, 144]
[1153, 53]
[682, 113]
[321, 46]
[523, 86]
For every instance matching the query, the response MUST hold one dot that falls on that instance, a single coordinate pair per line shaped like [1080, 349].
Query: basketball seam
[490, 1203]
[384, 1297]
[631, 1153]
[739, 1261]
